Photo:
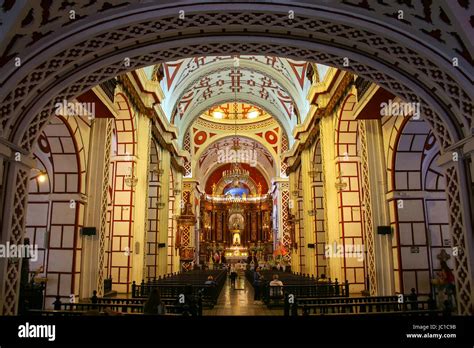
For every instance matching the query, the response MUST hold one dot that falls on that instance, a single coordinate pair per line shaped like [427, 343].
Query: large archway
[108, 40]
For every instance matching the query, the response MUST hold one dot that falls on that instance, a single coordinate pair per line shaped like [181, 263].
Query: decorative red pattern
[254, 173]
[200, 138]
[271, 137]
[171, 70]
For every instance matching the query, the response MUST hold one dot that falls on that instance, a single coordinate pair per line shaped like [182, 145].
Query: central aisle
[239, 301]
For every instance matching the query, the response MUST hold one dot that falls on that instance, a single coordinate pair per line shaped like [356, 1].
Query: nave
[135, 166]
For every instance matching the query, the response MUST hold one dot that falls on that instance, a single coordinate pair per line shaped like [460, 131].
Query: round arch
[266, 170]
[278, 115]
[244, 64]
[400, 56]
[70, 77]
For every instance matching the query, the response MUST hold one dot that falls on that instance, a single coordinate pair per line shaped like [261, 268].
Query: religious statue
[259, 188]
[236, 239]
[444, 282]
[214, 186]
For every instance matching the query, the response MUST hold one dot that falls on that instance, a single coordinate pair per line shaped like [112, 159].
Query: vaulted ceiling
[276, 85]
[220, 152]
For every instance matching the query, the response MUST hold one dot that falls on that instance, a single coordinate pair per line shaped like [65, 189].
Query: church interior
[248, 183]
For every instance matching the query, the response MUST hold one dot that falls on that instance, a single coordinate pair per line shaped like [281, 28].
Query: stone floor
[239, 301]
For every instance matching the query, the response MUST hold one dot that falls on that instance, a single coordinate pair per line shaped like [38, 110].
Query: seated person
[323, 278]
[154, 305]
[276, 282]
[210, 281]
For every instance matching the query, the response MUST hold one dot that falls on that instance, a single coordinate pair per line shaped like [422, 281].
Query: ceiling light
[217, 114]
[253, 114]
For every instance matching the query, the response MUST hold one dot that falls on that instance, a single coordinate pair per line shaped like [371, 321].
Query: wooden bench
[358, 306]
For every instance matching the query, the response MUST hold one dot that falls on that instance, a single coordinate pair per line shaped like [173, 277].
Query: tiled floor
[239, 301]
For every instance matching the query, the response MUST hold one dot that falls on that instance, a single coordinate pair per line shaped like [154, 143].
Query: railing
[173, 287]
[236, 199]
[358, 305]
[274, 295]
[118, 307]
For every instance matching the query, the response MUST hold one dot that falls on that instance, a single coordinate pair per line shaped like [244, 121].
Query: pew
[386, 305]
[171, 286]
[300, 286]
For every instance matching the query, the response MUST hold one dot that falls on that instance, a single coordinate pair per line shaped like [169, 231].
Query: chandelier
[236, 175]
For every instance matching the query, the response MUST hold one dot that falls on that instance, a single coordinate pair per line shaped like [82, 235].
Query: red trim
[371, 110]
[101, 110]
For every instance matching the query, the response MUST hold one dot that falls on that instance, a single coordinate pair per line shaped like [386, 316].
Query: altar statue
[236, 239]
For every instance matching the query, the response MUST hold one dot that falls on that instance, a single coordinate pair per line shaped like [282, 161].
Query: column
[333, 235]
[282, 197]
[293, 229]
[93, 247]
[140, 201]
[16, 171]
[165, 161]
[460, 202]
[374, 177]
[308, 225]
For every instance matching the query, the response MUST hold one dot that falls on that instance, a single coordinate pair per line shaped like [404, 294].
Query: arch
[418, 211]
[55, 210]
[154, 199]
[244, 63]
[214, 175]
[242, 98]
[123, 164]
[196, 77]
[318, 206]
[351, 219]
[124, 127]
[55, 69]
[219, 137]
[439, 105]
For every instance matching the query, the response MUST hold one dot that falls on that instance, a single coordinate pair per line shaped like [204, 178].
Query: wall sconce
[340, 184]
[313, 172]
[41, 175]
[131, 180]
[160, 204]
[157, 170]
